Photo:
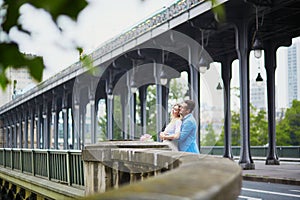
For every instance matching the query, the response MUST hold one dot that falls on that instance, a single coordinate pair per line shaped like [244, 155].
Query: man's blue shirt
[187, 140]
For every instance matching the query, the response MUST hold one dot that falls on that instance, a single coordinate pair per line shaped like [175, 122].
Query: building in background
[293, 72]
[21, 82]
[258, 95]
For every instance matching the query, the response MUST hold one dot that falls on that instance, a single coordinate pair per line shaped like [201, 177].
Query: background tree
[288, 129]
[151, 111]
[9, 18]
[178, 89]
[210, 138]
[258, 128]
[235, 131]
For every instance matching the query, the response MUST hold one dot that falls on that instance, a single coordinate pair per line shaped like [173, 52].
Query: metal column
[92, 101]
[55, 117]
[194, 82]
[25, 114]
[124, 99]
[65, 113]
[132, 115]
[270, 65]
[20, 128]
[143, 102]
[32, 120]
[109, 111]
[38, 126]
[226, 76]
[245, 161]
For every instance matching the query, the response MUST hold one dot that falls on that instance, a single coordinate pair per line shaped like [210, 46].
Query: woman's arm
[177, 131]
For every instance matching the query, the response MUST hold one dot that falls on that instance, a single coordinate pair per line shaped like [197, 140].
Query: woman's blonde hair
[178, 115]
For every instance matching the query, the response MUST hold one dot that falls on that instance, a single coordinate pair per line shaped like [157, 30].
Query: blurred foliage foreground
[10, 55]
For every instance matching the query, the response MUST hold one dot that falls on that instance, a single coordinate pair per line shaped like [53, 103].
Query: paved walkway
[288, 172]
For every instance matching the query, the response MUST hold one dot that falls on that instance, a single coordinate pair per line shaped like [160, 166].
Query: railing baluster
[11, 159]
[48, 165]
[21, 160]
[68, 168]
[32, 162]
[4, 158]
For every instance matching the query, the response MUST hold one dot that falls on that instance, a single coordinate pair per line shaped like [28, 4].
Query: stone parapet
[131, 170]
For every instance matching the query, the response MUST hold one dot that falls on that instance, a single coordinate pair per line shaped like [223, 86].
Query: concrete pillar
[115, 175]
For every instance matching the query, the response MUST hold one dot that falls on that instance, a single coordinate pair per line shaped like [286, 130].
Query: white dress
[172, 128]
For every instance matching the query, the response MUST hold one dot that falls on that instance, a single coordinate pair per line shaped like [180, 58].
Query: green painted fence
[56, 165]
[256, 151]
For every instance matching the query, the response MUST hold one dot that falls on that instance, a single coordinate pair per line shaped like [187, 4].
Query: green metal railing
[56, 165]
[258, 151]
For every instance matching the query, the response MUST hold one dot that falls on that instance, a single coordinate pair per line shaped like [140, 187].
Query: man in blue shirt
[188, 132]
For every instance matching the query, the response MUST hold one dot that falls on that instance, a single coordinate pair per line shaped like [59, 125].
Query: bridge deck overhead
[176, 36]
[277, 21]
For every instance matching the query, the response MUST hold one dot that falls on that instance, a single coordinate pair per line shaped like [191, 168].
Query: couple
[182, 129]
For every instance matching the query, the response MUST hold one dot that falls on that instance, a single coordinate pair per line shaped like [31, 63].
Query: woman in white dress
[172, 130]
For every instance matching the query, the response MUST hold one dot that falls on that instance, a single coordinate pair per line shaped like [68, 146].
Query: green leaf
[3, 80]
[12, 13]
[36, 67]
[70, 8]
[11, 57]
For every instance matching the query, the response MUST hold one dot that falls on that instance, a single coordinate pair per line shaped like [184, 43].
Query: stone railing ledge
[191, 176]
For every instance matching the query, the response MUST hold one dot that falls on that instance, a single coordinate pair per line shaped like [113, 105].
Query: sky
[98, 22]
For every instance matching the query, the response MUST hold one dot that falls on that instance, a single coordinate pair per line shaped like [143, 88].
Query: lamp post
[257, 47]
[133, 86]
[203, 65]
[163, 77]
[109, 86]
[219, 87]
[110, 92]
